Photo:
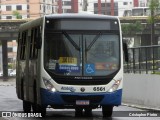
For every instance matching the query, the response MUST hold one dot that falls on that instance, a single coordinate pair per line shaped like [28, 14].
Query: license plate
[82, 102]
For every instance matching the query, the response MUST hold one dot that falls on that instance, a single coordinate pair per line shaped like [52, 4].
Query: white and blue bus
[137, 11]
[70, 61]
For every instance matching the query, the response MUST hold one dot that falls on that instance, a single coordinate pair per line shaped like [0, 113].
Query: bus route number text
[99, 89]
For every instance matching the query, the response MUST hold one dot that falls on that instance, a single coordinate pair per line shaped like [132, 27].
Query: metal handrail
[143, 58]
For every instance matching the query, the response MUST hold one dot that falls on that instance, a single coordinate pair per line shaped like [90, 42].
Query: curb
[141, 107]
[7, 85]
[8, 82]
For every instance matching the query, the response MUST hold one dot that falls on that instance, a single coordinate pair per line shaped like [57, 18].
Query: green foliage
[9, 65]
[17, 14]
[156, 72]
[154, 8]
[132, 28]
[154, 4]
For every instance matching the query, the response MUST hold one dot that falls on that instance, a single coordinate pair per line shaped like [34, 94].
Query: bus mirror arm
[125, 50]
[38, 42]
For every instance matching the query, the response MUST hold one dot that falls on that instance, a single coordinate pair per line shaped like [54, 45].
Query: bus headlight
[115, 86]
[49, 85]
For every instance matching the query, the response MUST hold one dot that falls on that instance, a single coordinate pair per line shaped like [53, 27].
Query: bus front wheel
[88, 112]
[78, 112]
[26, 106]
[107, 110]
[41, 109]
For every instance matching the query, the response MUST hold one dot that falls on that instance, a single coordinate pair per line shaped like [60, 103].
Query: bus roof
[30, 24]
[80, 16]
[38, 21]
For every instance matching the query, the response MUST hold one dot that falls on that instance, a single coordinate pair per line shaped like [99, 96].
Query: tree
[132, 28]
[153, 6]
[17, 14]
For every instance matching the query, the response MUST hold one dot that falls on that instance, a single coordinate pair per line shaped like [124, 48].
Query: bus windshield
[77, 53]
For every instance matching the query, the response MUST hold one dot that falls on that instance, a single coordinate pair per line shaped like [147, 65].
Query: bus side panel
[22, 67]
[34, 73]
[34, 66]
[18, 82]
[38, 83]
[28, 64]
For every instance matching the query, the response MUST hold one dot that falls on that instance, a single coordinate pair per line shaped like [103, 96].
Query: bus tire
[78, 112]
[26, 106]
[41, 109]
[107, 110]
[88, 112]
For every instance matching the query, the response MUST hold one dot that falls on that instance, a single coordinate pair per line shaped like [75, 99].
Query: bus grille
[71, 81]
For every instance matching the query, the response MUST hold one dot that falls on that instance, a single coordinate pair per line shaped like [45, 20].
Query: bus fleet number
[99, 89]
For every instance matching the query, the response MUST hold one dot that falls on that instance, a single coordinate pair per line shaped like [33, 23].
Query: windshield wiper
[94, 40]
[71, 41]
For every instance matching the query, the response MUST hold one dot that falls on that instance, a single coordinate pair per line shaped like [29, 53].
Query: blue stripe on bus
[54, 98]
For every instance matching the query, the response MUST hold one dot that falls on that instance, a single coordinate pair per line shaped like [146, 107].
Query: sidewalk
[7, 81]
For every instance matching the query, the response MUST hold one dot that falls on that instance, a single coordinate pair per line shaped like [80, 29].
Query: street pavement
[10, 103]
[11, 81]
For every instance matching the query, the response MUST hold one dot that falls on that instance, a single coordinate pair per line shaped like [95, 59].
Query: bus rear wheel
[26, 106]
[39, 109]
[107, 110]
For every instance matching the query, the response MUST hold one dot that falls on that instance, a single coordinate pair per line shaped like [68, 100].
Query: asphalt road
[10, 103]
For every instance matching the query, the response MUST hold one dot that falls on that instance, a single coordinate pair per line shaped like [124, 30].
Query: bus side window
[33, 48]
[31, 44]
[23, 46]
[19, 45]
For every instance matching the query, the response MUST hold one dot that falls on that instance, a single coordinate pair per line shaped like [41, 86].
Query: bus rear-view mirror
[125, 50]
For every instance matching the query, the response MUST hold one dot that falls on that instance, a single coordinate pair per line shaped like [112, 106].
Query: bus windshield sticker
[89, 69]
[68, 61]
[100, 66]
[67, 68]
[52, 64]
[105, 66]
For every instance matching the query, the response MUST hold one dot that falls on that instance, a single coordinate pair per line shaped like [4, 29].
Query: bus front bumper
[59, 98]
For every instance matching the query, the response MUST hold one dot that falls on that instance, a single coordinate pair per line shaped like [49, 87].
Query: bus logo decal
[72, 89]
[82, 89]
[89, 68]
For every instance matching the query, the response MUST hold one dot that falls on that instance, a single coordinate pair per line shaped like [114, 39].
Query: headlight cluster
[49, 85]
[115, 86]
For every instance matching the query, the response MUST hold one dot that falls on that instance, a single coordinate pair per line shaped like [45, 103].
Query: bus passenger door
[23, 66]
[33, 65]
